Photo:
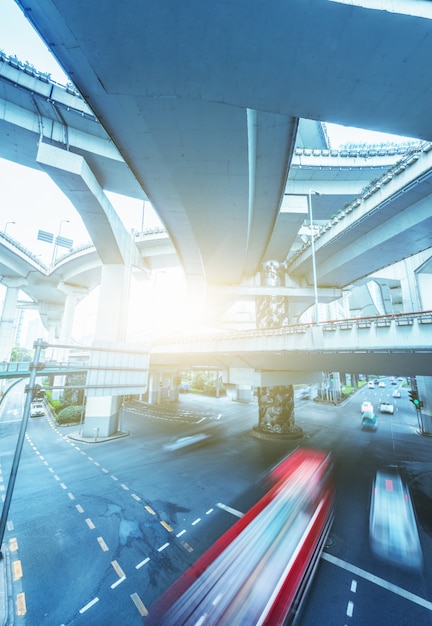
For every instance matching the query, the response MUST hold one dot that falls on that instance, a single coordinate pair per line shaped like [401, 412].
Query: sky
[30, 201]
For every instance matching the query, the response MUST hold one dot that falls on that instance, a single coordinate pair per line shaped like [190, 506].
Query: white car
[386, 407]
[381, 383]
[366, 407]
[371, 384]
[396, 393]
[37, 409]
[392, 523]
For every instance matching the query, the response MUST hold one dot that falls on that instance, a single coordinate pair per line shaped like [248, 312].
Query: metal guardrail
[380, 321]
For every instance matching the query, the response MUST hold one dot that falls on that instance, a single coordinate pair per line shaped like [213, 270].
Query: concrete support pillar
[276, 413]
[243, 393]
[8, 318]
[102, 413]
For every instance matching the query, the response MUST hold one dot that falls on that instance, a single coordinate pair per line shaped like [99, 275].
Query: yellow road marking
[139, 604]
[21, 608]
[13, 544]
[167, 526]
[120, 573]
[16, 570]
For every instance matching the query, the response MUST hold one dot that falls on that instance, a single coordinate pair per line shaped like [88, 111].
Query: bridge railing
[379, 321]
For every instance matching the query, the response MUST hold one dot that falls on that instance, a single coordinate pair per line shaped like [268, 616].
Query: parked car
[366, 407]
[392, 524]
[381, 383]
[37, 409]
[386, 407]
[396, 393]
[369, 421]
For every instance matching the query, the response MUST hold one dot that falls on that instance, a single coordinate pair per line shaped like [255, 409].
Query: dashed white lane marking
[90, 604]
[354, 586]
[102, 544]
[90, 523]
[230, 509]
[165, 545]
[71, 496]
[146, 560]
[118, 582]
[350, 609]
[197, 521]
[377, 581]
[182, 532]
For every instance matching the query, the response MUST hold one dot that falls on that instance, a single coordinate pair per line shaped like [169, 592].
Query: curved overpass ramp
[202, 101]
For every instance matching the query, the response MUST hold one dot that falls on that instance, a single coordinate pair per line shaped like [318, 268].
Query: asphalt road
[97, 532]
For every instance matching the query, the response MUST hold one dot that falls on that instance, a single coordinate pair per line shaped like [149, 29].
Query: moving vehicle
[366, 407]
[396, 393]
[37, 409]
[393, 531]
[381, 383]
[369, 421]
[258, 571]
[371, 384]
[386, 407]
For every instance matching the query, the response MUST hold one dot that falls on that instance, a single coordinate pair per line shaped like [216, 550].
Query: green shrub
[70, 415]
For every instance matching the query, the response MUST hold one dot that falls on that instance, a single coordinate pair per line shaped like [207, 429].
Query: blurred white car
[386, 407]
[366, 407]
[396, 393]
[37, 409]
[371, 384]
[381, 383]
[393, 530]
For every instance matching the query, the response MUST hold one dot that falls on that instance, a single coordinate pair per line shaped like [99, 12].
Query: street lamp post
[6, 225]
[311, 191]
[56, 239]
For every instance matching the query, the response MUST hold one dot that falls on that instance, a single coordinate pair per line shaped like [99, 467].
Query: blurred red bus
[258, 571]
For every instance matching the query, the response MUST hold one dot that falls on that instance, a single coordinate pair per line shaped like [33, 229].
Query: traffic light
[413, 396]
[37, 392]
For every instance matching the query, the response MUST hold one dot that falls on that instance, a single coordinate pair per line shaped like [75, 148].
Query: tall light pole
[56, 239]
[6, 225]
[311, 191]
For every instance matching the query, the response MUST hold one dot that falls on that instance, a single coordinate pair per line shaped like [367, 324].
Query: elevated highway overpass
[377, 345]
[42, 116]
[209, 130]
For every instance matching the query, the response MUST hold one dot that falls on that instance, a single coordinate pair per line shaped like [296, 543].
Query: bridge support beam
[275, 391]
[276, 414]
[102, 413]
[8, 316]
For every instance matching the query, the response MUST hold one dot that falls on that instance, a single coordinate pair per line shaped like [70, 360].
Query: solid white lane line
[378, 581]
